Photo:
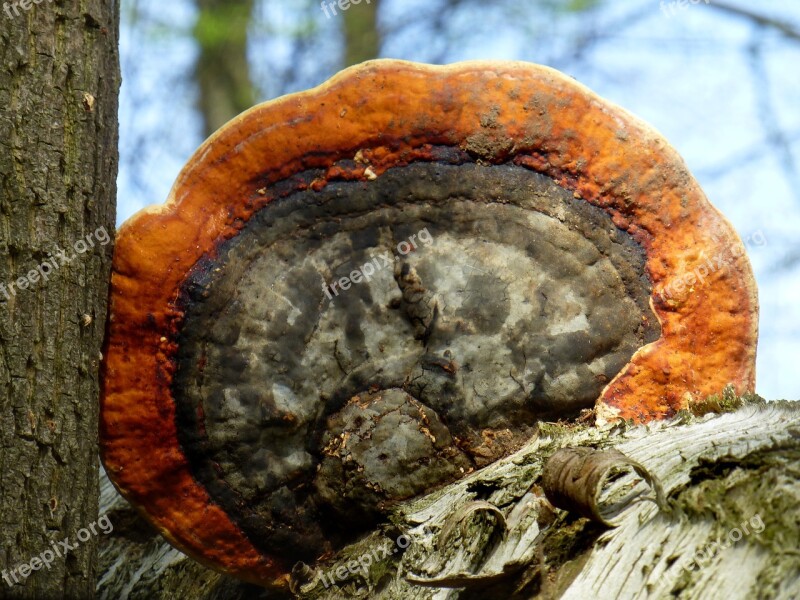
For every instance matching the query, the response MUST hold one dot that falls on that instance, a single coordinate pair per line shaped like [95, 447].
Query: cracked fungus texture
[306, 414]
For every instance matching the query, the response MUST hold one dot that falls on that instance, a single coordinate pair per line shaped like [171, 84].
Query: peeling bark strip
[288, 424]
[58, 168]
[575, 478]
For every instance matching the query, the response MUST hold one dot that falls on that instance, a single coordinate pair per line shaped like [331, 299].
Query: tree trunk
[59, 82]
[362, 40]
[222, 71]
[729, 528]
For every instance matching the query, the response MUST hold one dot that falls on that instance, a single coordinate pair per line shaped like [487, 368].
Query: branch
[787, 29]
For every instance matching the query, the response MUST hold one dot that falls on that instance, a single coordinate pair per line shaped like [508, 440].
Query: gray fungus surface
[369, 342]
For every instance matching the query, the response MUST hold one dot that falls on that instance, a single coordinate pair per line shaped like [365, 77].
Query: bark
[728, 528]
[222, 71]
[59, 81]
[362, 38]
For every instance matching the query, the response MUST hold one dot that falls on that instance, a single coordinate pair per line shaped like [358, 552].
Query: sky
[719, 89]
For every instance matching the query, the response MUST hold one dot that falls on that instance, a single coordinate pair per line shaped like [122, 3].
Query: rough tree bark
[731, 478]
[59, 81]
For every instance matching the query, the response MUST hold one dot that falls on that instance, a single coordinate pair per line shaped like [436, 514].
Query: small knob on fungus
[380, 448]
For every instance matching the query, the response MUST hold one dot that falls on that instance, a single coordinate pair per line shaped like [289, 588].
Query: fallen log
[729, 529]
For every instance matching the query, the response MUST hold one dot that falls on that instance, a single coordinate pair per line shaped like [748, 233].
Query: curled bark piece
[466, 513]
[301, 576]
[459, 523]
[598, 484]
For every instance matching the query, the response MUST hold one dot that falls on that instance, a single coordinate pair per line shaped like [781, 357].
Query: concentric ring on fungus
[268, 396]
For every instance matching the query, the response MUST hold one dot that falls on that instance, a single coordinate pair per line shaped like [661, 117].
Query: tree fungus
[359, 293]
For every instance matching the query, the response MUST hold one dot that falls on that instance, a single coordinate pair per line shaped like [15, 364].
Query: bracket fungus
[358, 293]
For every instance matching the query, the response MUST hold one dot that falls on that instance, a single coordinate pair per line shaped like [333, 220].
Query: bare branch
[787, 29]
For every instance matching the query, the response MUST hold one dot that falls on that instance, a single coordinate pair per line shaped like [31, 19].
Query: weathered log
[731, 528]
